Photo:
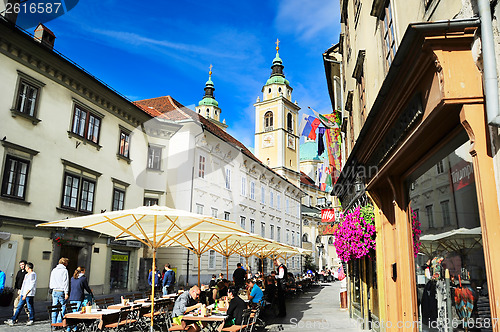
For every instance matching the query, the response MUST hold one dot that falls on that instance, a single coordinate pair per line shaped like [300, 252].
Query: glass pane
[450, 239]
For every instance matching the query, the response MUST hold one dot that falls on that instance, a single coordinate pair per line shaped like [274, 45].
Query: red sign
[329, 229]
[462, 174]
[328, 215]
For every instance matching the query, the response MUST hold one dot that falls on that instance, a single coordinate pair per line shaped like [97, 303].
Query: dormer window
[268, 121]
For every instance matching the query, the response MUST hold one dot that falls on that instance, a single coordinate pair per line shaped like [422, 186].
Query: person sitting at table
[213, 281]
[220, 290]
[236, 307]
[219, 278]
[256, 293]
[206, 295]
[270, 290]
[185, 303]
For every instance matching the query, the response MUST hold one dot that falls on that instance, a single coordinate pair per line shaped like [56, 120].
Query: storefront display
[119, 269]
[443, 202]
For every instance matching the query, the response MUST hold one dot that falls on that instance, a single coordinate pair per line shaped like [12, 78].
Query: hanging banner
[334, 147]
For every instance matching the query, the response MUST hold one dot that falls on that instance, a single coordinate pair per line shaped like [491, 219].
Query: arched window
[279, 89]
[305, 238]
[208, 113]
[269, 90]
[268, 121]
[330, 240]
[289, 122]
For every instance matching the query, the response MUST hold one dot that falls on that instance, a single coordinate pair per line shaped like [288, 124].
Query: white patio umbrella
[154, 226]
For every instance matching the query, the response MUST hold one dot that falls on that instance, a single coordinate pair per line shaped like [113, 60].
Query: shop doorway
[72, 253]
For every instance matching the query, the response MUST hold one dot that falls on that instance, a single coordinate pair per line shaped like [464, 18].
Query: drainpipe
[490, 80]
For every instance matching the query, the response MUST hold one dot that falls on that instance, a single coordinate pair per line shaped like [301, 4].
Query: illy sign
[328, 215]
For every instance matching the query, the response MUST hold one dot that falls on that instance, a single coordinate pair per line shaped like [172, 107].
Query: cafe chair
[245, 323]
[255, 316]
[125, 320]
[101, 303]
[55, 309]
[109, 301]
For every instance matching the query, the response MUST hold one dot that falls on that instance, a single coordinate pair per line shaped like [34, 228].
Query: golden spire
[210, 72]
[277, 44]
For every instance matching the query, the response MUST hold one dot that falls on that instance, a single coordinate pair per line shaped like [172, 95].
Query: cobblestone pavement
[316, 310]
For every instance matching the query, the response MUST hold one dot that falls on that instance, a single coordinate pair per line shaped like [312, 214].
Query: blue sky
[146, 51]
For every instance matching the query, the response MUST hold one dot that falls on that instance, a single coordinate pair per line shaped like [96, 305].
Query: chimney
[45, 36]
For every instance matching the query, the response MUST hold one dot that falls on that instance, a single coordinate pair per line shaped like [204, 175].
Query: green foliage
[309, 263]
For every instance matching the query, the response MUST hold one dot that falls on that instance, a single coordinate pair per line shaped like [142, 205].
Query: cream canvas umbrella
[154, 226]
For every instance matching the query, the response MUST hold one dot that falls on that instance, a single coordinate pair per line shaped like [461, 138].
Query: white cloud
[307, 19]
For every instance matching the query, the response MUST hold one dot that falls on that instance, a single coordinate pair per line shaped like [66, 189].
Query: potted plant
[6, 297]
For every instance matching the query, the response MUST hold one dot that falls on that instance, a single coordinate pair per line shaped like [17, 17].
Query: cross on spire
[277, 44]
[210, 72]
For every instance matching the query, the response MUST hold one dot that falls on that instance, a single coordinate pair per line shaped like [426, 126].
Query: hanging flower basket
[355, 235]
[59, 241]
[416, 232]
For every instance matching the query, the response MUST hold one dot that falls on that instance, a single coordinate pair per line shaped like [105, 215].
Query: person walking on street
[168, 280]
[59, 283]
[28, 291]
[157, 280]
[239, 276]
[2, 281]
[19, 283]
[281, 278]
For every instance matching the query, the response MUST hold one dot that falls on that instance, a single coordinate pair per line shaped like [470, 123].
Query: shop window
[15, 177]
[453, 242]
[118, 278]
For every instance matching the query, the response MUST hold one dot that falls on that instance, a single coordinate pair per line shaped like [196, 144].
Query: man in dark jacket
[19, 282]
[239, 276]
[157, 279]
[236, 307]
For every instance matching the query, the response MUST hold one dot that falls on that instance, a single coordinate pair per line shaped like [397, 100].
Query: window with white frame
[227, 215]
[278, 201]
[224, 261]
[154, 157]
[278, 233]
[15, 177]
[287, 205]
[242, 222]
[287, 238]
[28, 95]
[243, 186]
[293, 238]
[214, 212]
[252, 190]
[263, 195]
[263, 229]
[124, 145]
[199, 208]
[252, 226]
[118, 199]
[211, 260]
[271, 198]
[228, 178]
[271, 234]
[201, 167]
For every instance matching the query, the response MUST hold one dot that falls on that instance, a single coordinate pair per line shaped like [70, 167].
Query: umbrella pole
[199, 257]
[262, 264]
[153, 277]
[227, 267]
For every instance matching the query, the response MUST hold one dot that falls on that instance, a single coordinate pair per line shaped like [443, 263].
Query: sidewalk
[315, 310]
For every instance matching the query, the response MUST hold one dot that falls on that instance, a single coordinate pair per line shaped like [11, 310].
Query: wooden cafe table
[214, 322]
[97, 318]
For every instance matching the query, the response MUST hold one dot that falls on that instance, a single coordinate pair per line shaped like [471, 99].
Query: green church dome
[277, 80]
[208, 101]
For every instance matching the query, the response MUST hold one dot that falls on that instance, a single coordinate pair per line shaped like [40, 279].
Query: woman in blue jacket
[78, 286]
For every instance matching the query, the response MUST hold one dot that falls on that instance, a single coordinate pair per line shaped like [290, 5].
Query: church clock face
[268, 140]
[291, 142]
